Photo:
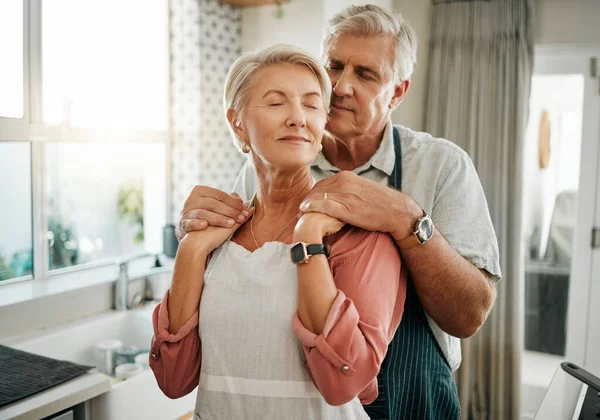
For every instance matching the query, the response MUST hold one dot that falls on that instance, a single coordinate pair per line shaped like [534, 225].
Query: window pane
[114, 72]
[16, 250]
[11, 50]
[105, 200]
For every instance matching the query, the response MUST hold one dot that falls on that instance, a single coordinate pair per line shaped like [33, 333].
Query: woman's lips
[295, 139]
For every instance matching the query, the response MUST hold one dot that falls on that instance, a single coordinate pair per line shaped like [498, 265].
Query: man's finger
[200, 194]
[216, 206]
[217, 219]
[192, 225]
[330, 207]
[230, 200]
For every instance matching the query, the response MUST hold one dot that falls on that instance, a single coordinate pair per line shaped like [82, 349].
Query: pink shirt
[344, 360]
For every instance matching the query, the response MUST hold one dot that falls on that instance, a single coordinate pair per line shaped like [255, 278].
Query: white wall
[562, 97]
[411, 111]
[567, 22]
[334, 6]
[302, 25]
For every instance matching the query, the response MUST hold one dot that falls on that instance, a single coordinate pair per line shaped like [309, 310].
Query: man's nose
[343, 85]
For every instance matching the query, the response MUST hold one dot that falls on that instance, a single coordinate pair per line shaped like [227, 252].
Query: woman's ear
[236, 124]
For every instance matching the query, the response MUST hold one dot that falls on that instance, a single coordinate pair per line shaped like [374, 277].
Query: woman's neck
[279, 195]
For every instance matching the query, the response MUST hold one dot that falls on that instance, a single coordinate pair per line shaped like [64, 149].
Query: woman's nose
[297, 118]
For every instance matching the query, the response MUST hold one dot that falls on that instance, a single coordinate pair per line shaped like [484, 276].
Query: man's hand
[364, 203]
[207, 206]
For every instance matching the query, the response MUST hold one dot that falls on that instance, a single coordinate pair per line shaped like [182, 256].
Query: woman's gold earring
[245, 147]
[321, 147]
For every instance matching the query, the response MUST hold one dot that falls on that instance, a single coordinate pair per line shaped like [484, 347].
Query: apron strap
[395, 179]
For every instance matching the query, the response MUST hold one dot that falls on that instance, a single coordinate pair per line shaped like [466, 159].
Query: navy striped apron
[415, 381]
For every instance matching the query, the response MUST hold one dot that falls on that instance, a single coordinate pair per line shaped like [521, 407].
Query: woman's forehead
[286, 79]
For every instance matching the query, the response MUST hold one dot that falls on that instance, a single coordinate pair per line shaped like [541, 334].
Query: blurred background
[110, 113]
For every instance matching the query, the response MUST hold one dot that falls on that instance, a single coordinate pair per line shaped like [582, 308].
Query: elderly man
[436, 210]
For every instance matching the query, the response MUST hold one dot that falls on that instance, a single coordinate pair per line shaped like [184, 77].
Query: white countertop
[563, 399]
[57, 398]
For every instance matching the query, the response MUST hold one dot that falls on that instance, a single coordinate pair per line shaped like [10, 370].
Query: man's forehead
[365, 51]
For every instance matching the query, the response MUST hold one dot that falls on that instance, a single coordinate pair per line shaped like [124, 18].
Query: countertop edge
[57, 398]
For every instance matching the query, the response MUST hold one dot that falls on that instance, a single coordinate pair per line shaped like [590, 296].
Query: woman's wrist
[309, 234]
[193, 250]
[195, 242]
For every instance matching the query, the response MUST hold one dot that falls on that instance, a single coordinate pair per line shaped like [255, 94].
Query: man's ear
[235, 124]
[400, 91]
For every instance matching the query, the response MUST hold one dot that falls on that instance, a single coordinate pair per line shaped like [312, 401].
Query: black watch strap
[314, 249]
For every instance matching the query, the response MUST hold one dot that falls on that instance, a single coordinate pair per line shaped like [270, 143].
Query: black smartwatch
[302, 252]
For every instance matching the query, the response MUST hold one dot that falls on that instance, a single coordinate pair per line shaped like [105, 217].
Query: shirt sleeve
[175, 358]
[345, 359]
[461, 214]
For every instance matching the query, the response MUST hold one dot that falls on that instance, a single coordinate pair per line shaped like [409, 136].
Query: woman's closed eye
[275, 104]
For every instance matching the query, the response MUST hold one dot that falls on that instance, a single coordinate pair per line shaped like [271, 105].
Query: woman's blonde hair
[244, 70]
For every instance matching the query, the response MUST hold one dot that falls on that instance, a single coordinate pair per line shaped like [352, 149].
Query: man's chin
[337, 127]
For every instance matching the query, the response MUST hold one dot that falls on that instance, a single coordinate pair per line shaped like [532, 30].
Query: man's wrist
[410, 213]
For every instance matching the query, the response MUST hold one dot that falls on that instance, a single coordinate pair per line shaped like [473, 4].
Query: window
[104, 200]
[11, 70]
[83, 133]
[16, 249]
[113, 73]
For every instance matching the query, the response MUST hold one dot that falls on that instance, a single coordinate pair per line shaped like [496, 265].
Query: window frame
[31, 129]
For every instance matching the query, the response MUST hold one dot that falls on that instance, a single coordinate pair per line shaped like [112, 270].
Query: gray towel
[23, 374]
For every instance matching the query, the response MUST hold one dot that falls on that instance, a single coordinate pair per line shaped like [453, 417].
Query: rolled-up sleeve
[175, 358]
[344, 360]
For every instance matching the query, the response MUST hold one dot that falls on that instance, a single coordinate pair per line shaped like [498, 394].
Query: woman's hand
[206, 240]
[315, 226]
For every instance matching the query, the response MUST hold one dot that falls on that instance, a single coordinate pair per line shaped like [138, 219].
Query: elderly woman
[279, 317]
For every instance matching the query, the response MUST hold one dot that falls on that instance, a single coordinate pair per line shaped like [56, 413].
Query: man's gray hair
[370, 20]
[245, 67]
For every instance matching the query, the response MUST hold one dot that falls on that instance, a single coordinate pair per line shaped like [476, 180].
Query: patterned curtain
[205, 39]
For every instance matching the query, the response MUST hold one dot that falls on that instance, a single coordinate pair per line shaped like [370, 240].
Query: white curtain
[481, 60]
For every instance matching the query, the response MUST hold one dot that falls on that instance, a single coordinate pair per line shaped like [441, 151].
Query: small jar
[143, 359]
[125, 354]
[105, 355]
[127, 370]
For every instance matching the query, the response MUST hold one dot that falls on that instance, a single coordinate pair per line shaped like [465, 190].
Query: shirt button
[345, 368]
[154, 356]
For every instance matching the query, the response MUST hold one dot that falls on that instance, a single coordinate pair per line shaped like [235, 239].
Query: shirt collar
[383, 159]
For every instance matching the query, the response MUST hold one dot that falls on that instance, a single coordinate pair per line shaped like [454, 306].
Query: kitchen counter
[58, 398]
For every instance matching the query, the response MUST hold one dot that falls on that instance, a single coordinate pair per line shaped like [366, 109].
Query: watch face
[425, 229]
[298, 253]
